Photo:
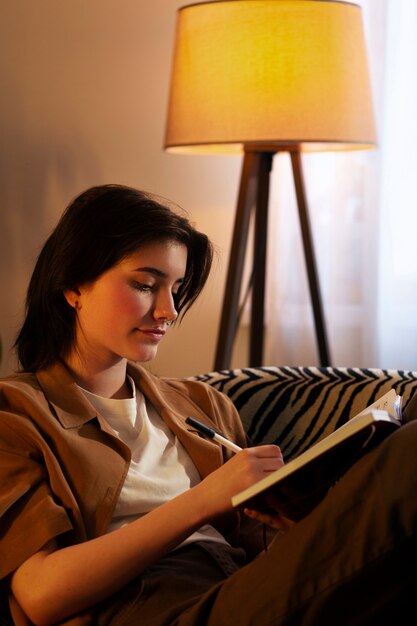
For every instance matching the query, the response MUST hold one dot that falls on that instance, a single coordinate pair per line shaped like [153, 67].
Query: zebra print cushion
[297, 406]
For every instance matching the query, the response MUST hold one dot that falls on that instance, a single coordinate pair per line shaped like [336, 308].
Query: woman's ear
[72, 296]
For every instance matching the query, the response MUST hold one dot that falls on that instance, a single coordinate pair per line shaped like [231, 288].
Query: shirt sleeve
[29, 515]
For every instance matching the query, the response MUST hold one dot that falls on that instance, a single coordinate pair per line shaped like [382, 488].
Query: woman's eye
[143, 287]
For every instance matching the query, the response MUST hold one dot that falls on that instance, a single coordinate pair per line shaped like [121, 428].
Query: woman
[113, 510]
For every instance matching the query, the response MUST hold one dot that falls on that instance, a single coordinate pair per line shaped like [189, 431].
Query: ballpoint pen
[212, 434]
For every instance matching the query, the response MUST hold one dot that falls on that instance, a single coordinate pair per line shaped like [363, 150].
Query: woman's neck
[109, 382]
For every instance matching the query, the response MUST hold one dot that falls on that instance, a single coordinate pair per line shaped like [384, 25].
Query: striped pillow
[297, 406]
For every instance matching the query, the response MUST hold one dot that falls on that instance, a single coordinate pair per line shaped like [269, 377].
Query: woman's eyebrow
[156, 272]
[151, 270]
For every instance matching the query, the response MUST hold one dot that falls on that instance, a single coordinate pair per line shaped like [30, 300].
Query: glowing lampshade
[269, 73]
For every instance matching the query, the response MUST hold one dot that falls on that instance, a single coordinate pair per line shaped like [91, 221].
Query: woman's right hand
[243, 470]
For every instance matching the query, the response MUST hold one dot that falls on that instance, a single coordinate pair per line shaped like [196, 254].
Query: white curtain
[397, 312]
[363, 213]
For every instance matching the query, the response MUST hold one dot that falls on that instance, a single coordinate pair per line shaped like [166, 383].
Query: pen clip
[201, 428]
[213, 434]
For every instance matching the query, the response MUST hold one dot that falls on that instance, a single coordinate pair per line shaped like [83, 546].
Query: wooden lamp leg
[229, 315]
[310, 260]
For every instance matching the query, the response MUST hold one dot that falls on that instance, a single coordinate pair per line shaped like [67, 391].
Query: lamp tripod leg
[229, 316]
[256, 343]
[310, 260]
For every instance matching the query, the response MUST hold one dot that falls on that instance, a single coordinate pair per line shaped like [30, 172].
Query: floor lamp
[262, 77]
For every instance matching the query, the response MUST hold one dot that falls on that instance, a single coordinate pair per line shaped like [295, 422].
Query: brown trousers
[352, 561]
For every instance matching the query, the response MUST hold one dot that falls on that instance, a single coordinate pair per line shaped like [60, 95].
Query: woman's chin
[143, 355]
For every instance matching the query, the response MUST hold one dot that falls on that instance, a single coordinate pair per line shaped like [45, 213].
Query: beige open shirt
[62, 469]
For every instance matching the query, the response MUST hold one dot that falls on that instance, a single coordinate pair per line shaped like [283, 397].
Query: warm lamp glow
[262, 77]
[269, 73]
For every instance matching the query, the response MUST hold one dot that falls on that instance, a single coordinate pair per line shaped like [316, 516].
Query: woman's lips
[152, 333]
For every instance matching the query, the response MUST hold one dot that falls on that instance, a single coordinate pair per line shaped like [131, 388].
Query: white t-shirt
[160, 468]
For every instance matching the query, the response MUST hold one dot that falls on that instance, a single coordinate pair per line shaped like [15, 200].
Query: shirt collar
[70, 405]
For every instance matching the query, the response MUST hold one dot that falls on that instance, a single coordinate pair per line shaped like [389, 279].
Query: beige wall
[83, 100]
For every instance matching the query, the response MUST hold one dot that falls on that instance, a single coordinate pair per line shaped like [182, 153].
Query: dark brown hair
[100, 227]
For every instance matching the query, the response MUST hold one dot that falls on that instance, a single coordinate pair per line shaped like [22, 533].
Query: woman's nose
[165, 308]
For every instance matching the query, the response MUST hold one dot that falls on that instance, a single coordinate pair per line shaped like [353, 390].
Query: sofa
[295, 407]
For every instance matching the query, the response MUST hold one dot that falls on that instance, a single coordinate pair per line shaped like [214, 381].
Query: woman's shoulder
[20, 395]
[20, 400]
[19, 382]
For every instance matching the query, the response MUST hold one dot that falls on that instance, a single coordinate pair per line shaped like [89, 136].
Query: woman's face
[126, 311]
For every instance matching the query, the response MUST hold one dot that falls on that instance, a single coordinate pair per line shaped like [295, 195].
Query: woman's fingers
[267, 458]
[277, 521]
